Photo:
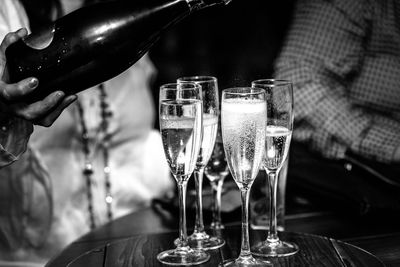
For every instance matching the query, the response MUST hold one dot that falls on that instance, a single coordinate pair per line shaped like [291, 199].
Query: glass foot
[204, 241]
[183, 256]
[245, 262]
[279, 249]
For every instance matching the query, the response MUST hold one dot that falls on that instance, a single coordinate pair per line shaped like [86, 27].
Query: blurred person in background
[343, 57]
[99, 160]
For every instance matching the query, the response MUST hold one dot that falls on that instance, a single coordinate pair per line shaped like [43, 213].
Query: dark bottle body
[93, 44]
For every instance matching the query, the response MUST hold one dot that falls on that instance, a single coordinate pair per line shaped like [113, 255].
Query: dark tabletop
[325, 238]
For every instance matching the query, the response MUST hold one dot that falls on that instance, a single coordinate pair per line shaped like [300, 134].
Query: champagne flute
[243, 132]
[216, 171]
[209, 87]
[279, 95]
[180, 112]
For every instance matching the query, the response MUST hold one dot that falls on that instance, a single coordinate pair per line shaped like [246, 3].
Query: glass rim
[197, 78]
[245, 90]
[178, 86]
[271, 82]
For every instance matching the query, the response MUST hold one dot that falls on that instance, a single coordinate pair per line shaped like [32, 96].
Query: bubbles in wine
[243, 130]
[276, 146]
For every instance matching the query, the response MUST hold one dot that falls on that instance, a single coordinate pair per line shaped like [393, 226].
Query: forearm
[381, 140]
[332, 124]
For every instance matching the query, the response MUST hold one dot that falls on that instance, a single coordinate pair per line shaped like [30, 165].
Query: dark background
[236, 43]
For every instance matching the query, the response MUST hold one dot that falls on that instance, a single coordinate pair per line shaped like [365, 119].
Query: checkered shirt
[343, 57]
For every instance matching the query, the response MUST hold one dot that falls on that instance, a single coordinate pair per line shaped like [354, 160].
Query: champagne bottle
[94, 43]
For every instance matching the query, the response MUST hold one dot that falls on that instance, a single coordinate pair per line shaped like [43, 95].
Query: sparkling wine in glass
[216, 171]
[243, 119]
[180, 111]
[279, 95]
[209, 87]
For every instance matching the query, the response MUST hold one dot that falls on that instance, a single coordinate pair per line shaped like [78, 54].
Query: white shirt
[139, 171]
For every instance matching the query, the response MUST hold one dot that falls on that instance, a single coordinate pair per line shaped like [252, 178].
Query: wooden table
[150, 231]
[142, 250]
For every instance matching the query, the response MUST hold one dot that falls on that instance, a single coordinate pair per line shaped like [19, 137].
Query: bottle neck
[199, 4]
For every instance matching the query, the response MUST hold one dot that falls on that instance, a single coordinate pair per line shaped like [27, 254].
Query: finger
[12, 37]
[15, 91]
[9, 39]
[39, 109]
[52, 117]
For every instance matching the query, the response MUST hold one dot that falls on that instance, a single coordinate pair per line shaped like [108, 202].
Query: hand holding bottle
[42, 112]
[94, 43]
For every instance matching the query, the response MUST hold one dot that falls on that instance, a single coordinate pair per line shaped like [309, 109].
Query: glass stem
[182, 186]
[272, 233]
[217, 190]
[198, 178]
[245, 248]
